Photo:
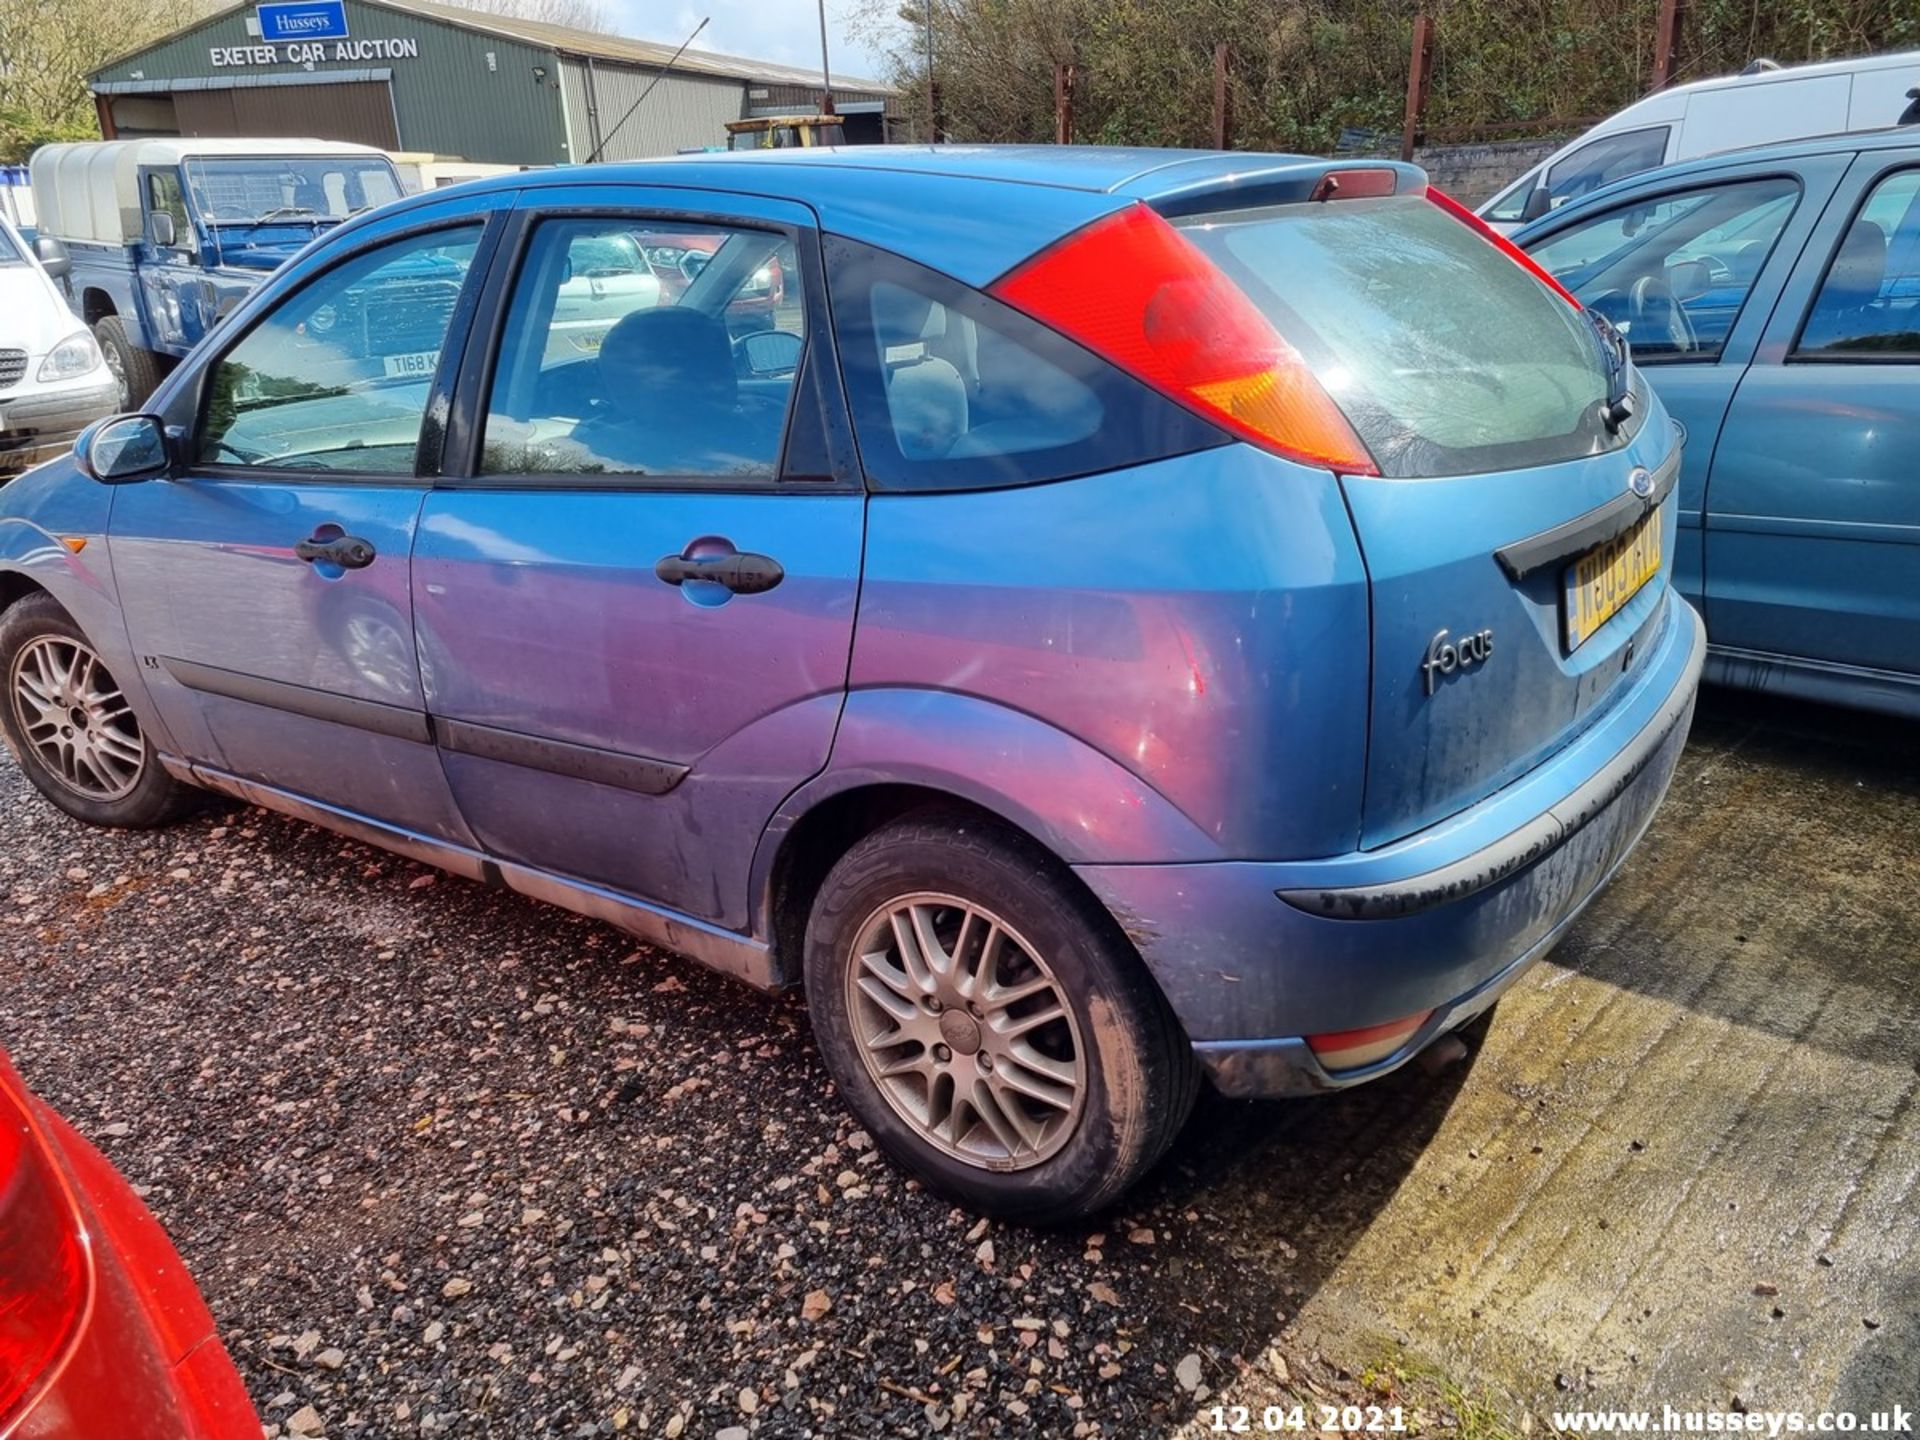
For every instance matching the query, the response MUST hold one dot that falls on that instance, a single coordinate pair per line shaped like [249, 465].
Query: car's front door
[1813, 509]
[634, 587]
[265, 585]
[1689, 272]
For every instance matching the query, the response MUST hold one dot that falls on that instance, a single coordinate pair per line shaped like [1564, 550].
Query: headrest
[903, 317]
[670, 354]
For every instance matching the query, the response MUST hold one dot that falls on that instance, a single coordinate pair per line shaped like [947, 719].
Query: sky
[784, 31]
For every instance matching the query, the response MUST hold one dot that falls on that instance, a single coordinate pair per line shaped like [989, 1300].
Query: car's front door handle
[349, 552]
[742, 572]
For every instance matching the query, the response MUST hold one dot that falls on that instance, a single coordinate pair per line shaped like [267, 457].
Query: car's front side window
[1673, 272]
[1868, 307]
[336, 378]
[641, 348]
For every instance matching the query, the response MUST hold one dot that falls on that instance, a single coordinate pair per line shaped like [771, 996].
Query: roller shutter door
[357, 110]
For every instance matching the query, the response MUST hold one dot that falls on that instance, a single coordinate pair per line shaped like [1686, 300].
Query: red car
[101, 1328]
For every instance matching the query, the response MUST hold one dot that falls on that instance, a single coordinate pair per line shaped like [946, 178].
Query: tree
[48, 48]
[1305, 70]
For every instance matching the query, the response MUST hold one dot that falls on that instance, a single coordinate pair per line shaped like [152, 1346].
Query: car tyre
[137, 371]
[905, 1042]
[120, 782]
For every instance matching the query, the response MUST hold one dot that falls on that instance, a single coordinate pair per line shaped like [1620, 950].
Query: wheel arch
[96, 304]
[15, 587]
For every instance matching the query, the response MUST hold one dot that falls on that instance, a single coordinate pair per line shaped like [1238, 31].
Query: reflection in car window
[1610, 158]
[1672, 274]
[336, 378]
[1869, 304]
[647, 349]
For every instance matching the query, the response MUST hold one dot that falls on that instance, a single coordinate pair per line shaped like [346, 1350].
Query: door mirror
[1689, 279]
[767, 353]
[160, 229]
[53, 257]
[122, 449]
[1539, 202]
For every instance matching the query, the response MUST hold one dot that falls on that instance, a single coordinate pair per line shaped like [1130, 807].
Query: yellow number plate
[1607, 576]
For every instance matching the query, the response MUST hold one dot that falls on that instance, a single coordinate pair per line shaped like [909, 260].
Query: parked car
[53, 383]
[100, 1325]
[161, 238]
[1759, 106]
[1171, 613]
[1773, 297]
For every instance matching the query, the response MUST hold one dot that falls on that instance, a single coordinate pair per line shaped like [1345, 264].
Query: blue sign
[304, 20]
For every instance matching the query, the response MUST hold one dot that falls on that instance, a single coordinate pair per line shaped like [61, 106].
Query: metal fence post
[1222, 122]
[1419, 71]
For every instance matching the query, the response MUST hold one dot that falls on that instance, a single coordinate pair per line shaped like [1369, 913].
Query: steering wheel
[1658, 318]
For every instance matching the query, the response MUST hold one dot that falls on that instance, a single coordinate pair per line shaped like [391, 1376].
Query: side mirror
[53, 257]
[1689, 279]
[1539, 202]
[122, 449]
[160, 229]
[769, 353]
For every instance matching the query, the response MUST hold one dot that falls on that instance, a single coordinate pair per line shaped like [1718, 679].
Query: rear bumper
[148, 1348]
[1253, 957]
[40, 425]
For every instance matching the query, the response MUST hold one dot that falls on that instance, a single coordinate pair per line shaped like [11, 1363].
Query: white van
[1708, 116]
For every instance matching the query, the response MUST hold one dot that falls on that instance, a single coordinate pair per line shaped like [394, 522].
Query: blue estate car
[1128, 615]
[1773, 296]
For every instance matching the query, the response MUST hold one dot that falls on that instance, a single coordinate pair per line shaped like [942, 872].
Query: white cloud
[784, 31]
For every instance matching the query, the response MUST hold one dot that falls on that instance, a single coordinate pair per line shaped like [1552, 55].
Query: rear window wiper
[1617, 359]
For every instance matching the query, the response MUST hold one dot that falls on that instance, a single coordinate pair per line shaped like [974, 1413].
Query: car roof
[1757, 157]
[972, 211]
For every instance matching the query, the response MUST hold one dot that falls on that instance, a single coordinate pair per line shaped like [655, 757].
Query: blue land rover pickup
[163, 237]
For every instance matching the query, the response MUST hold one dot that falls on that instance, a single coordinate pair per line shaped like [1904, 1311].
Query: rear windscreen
[1445, 355]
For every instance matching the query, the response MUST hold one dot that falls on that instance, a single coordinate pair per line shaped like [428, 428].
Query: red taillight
[1352, 1049]
[1506, 247]
[46, 1275]
[1133, 290]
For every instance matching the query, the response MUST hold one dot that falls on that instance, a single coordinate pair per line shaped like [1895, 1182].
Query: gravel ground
[444, 1160]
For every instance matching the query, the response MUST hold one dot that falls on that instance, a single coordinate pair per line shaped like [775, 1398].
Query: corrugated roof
[622, 48]
[566, 38]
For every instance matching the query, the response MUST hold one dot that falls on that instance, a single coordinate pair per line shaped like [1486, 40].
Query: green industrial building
[412, 75]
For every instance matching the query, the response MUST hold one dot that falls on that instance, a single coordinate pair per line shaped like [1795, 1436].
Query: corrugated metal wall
[684, 112]
[449, 99]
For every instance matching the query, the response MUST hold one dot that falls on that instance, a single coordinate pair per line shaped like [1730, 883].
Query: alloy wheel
[75, 719]
[966, 1032]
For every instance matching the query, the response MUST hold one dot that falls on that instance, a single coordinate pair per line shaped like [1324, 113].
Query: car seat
[926, 397]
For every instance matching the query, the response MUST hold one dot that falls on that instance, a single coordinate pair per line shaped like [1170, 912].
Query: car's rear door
[634, 585]
[265, 586]
[1813, 509]
[1518, 531]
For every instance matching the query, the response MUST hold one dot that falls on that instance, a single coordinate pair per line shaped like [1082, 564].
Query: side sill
[732, 954]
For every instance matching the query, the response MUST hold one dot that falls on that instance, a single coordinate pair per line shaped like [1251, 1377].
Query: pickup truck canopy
[90, 190]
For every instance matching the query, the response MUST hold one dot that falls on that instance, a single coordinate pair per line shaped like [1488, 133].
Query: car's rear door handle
[742, 572]
[349, 552]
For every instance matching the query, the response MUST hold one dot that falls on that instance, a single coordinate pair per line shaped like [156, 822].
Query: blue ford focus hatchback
[1095, 618]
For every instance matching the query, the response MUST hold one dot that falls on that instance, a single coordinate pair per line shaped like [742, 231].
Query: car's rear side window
[952, 390]
[1445, 355]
